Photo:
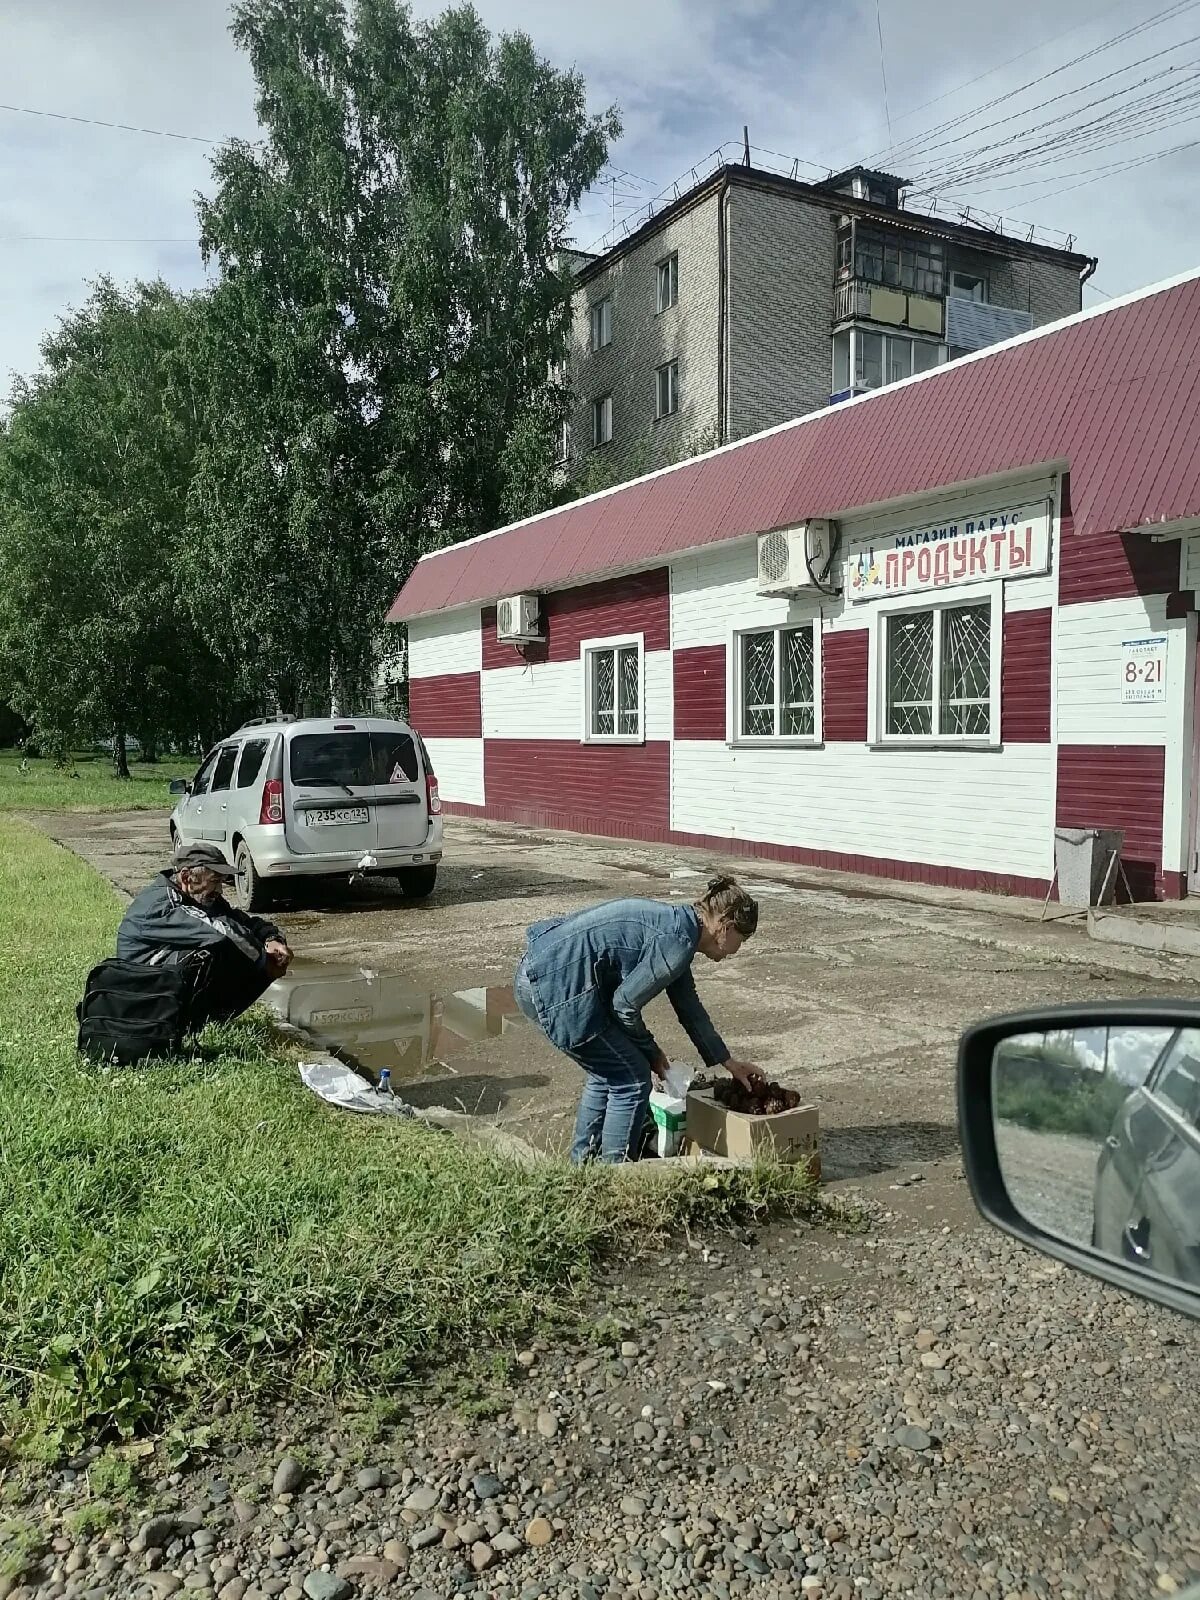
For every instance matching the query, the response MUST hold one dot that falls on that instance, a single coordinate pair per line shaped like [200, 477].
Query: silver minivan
[319, 797]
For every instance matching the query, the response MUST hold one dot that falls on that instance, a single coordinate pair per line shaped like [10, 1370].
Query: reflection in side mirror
[1081, 1134]
[181, 786]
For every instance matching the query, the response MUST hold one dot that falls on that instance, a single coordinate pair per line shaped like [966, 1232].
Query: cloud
[686, 73]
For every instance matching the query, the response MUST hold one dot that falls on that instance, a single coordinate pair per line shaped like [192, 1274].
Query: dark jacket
[163, 921]
[608, 963]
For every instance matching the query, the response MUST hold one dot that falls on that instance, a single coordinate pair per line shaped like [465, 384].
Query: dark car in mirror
[1081, 1135]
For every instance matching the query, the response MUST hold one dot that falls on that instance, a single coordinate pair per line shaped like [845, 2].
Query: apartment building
[755, 298]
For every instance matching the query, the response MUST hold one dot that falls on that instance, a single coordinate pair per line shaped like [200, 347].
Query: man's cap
[207, 856]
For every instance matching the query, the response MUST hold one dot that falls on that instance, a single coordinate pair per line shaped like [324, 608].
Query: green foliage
[1085, 1107]
[388, 316]
[96, 632]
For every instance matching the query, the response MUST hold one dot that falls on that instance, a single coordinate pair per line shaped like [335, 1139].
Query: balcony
[972, 325]
[855, 300]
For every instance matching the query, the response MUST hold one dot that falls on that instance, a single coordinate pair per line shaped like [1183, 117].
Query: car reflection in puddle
[379, 1019]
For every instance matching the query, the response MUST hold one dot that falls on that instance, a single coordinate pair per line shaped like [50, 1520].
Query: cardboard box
[787, 1136]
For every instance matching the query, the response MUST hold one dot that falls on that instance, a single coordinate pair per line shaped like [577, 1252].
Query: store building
[975, 620]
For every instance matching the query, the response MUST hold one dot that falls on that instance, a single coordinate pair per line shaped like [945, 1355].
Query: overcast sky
[77, 200]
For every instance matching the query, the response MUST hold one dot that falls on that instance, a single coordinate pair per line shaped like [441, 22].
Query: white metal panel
[446, 643]
[545, 701]
[982, 811]
[459, 767]
[716, 591]
[973, 325]
[1190, 555]
[1088, 654]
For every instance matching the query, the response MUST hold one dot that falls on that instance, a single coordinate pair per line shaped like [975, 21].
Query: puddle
[377, 1019]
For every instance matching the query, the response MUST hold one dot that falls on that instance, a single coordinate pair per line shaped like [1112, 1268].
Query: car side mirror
[1080, 1135]
[181, 786]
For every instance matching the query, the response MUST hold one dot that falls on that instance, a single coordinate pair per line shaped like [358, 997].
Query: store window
[613, 687]
[939, 672]
[775, 689]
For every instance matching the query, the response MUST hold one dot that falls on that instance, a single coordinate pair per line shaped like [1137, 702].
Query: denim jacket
[607, 963]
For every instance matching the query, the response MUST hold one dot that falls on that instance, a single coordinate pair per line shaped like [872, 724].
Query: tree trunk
[335, 709]
[120, 756]
[150, 750]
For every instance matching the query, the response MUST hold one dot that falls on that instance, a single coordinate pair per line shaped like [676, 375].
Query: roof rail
[262, 722]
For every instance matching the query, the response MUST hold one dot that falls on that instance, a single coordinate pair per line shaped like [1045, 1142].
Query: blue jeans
[616, 1090]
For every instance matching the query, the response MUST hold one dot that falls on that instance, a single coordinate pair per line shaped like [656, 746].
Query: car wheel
[250, 892]
[417, 883]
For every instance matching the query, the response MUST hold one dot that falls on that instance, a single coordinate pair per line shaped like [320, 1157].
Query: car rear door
[216, 809]
[329, 786]
[398, 791]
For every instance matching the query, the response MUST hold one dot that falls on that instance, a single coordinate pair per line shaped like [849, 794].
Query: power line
[883, 67]
[921, 141]
[969, 83]
[927, 149]
[97, 122]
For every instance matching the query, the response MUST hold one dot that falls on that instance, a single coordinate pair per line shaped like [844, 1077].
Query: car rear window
[358, 758]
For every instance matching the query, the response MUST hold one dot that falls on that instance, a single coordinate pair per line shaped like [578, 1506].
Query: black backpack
[131, 1012]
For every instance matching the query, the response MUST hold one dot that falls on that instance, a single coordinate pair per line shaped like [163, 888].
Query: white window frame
[969, 595]
[588, 650]
[601, 318]
[564, 442]
[734, 737]
[670, 371]
[856, 333]
[980, 278]
[666, 271]
[604, 401]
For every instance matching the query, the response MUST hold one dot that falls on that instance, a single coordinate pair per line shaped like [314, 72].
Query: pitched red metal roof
[1113, 393]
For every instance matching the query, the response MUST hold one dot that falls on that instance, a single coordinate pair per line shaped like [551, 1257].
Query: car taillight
[271, 809]
[431, 793]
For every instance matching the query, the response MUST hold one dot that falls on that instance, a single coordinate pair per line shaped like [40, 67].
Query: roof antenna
[745, 145]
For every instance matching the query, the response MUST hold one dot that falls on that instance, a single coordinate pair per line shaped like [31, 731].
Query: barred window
[938, 673]
[776, 684]
[613, 689]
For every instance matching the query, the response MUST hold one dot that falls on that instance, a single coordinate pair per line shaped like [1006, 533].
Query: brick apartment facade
[772, 277]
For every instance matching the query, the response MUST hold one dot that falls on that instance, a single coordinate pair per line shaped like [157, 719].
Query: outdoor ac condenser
[517, 619]
[788, 557]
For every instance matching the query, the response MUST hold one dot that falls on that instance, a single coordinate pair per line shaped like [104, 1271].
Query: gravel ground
[1051, 1178]
[903, 1411]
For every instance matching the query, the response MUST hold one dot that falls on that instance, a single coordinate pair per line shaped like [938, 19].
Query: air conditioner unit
[517, 619]
[788, 557]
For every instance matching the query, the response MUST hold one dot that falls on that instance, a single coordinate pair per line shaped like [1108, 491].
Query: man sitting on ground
[183, 918]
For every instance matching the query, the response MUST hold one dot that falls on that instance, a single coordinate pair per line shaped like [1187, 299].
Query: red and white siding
[1124, 765]
[538, 769]
[444, 660]
[506, 730]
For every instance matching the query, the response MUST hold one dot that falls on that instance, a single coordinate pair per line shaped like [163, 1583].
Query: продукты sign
[1000, 544]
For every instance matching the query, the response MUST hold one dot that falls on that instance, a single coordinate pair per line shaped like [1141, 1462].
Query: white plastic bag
[668, 1107]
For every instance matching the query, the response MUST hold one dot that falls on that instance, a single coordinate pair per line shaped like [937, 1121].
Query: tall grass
[175, 1233]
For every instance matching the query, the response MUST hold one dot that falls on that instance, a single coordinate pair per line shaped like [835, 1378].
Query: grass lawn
[87, 785]
[175, 1233]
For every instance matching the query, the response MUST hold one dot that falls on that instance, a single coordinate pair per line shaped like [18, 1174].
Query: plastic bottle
[384, 1086]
